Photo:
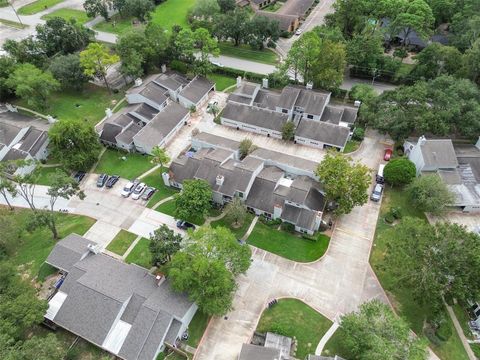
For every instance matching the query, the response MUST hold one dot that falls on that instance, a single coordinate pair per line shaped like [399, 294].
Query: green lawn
[293, 318]
[172, 12]
[265, 56]
[222, 81]
[351, 146]
[273, 7]
[13, 24]
[334, 346]
[197, 328]
[42, 174]
[169, 209]
[88, 105]
[121, 242]
[238, 231]
[155, 179]
[401, 297]
[167, 14]
[463, 319]
[37, 6]
[289, 246]
[33, 248]
[3, 3]
[67, 14]
[112, 163]
[140, 254]
[116, 25]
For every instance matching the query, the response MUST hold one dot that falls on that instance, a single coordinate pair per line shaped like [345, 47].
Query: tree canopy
[429, 193]
[194, 199]
[434, 260]
[206, 268]
[400, 171]
[164, 243]
[74, 143]
[376, 333]
[96, 59]
[345, 182]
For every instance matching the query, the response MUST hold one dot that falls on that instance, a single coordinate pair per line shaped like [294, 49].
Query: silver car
[138, 191]
[377, 193]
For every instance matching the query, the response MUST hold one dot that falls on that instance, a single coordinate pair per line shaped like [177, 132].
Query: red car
[388, 155]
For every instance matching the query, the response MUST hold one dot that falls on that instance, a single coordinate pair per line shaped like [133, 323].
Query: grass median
[37, 6]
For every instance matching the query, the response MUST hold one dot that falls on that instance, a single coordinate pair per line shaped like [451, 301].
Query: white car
[127, 189]
[298, 32]
[138, 191]
[216, 63]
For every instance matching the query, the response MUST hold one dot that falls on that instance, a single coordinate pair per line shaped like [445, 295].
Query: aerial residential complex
[275, 185]
[158, 108]
[317, 122]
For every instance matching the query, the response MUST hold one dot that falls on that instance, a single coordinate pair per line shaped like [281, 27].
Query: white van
[379, 178]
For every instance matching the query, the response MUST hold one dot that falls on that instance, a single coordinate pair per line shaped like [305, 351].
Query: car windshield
[128, 187]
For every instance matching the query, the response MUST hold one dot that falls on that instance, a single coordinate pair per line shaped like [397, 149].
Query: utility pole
[15, 11]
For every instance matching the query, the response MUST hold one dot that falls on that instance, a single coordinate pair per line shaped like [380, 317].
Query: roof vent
[219, 180]
[93, 248]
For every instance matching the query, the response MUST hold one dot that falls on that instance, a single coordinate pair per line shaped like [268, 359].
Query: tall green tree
[365, 51]
[472, 62]
[303, 55]
[27, 50]
[95, 8]
[7, 187]
[68, 71]
[376, 333]
[59, 36]
[434, 261]
[263, 31]
[330, 65]
[7, 66]
[207, 266]
[133, 47]
[164, 243]
[226, 5]
[205, 46]
[160, 156]
[205, 8]
[96, 59]
[429, 193]
[246, 147]
[435, 60]
[33, 85]
[415, 16]
[74, 143]
[140, 9]
[47, 347]
[288, 131]
[345, 181]
[233, 25]
[194, 199]
[235, 212]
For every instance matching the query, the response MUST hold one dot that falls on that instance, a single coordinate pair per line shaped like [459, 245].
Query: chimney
[164, 68]
[93, 248]
[219, 180]
[265, 83]
[422, 140]
[277, 211]
[239, 81]
[309, 85]
[138, 82]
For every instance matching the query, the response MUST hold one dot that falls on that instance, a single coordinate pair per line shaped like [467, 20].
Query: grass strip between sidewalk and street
[121, 242]
[37, 6]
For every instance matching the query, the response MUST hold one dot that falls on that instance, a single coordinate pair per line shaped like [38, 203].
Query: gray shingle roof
[323, 132]
[296, 7]
[312, 101]
[288, 97]
[171, 80]
[8, 133]
[284, 20]
[101, 290]
[162, 124]
[197, 89]
[109, 132]
[439, 153]
[255, 352]
[127, 135]
[154, 93]
[263, 118]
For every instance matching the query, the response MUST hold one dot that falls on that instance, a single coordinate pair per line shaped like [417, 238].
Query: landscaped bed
[37, 6]
[169, 208]
[88, 105]
[401, 297]
[293, 318]
[121, 242]
[42, 174]
[140, 254]
[67, 14]
[112, 162]
[287, 245]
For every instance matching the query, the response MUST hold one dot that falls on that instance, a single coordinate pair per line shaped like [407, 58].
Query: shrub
[310, 237]
[389, 219]
[286, 226]
[279, 329]
[399, 172]
[444, 331]
[396, 213]
[179, 66]
[432, 337]
[358, 134]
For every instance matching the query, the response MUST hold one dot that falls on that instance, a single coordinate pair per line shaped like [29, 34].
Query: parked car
[138, 191]
[388, 154]
[102, 179]
[216, 63]
[185, 225]
[112, 180]
[379, 177]
[79, 175]
[298, 32]
[129, 187]
[377, 193]
[149, 191]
